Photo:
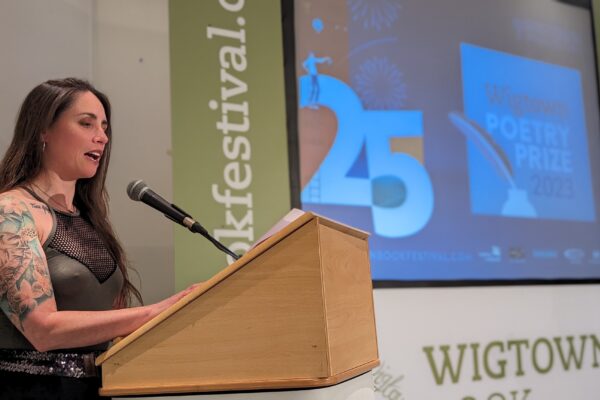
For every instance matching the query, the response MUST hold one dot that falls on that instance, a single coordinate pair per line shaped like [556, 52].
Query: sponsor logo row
[519, 254]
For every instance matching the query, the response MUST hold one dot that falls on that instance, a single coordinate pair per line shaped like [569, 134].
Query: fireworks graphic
[380, 84]
[375, 14]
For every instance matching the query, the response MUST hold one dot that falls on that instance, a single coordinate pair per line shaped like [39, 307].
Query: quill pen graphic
[485, 143]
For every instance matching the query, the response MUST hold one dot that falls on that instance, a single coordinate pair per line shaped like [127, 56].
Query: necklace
[60, 207]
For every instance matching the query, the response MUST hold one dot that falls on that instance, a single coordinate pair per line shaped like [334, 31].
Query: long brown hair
[23, 162]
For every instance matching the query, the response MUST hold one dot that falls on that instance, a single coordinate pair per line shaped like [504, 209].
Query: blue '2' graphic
[398, 188]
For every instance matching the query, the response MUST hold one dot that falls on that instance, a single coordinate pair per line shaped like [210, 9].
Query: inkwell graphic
[517, 204]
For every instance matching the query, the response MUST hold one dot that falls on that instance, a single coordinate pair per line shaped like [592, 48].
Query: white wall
[123, 48]
[40, 40]
[131, 65]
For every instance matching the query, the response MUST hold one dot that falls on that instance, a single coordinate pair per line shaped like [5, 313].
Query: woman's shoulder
[14, 200]
[20, 197]
[19, 209]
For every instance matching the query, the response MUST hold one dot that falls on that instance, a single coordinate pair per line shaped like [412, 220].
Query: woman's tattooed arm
[24, 277]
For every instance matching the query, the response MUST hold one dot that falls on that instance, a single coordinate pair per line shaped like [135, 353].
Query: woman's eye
[85, 123]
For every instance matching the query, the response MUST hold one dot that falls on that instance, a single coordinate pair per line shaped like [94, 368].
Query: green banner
[230, 161]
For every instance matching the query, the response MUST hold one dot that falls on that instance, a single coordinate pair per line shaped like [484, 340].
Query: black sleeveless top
[84, 275]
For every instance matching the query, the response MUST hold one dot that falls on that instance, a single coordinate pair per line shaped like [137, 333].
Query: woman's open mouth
[94, 155]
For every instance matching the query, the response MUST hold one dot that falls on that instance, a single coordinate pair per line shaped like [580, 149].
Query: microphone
[139, 191]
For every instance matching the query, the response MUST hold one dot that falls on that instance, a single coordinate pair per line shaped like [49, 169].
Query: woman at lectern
[64, 286]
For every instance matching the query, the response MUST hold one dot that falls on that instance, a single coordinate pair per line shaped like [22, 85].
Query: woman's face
[75, 142]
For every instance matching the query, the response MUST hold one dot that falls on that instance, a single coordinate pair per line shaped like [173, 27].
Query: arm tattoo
[24, 277]
[42, 207]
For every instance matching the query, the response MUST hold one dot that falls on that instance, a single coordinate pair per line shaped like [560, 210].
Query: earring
[43, 146]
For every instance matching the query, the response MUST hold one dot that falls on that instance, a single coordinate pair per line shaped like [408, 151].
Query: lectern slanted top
[294, 312]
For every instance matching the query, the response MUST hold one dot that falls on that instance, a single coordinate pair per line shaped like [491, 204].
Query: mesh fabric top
[76, 238]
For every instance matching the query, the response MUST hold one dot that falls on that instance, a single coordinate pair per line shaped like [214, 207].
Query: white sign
[489, 343]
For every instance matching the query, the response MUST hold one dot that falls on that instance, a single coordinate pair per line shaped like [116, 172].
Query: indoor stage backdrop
[462, 134]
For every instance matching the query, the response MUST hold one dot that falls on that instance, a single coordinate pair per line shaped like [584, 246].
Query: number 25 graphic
[398, 189]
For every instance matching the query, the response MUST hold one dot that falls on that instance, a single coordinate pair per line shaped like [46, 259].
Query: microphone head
[136, 189]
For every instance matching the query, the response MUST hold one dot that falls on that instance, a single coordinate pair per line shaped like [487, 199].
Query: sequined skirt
[72, 365]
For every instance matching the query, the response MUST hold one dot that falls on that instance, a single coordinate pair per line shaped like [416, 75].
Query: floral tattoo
[24, 277]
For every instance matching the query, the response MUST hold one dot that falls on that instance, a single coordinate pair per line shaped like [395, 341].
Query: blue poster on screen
[526, 136]
[468, 150]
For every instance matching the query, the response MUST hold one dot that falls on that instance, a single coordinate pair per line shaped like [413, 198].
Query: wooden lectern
[294, 312]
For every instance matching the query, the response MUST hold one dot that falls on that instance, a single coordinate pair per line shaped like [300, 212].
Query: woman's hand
[159, 307]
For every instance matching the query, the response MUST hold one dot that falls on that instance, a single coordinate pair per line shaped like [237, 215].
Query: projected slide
[467, 145]
[524, 121]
